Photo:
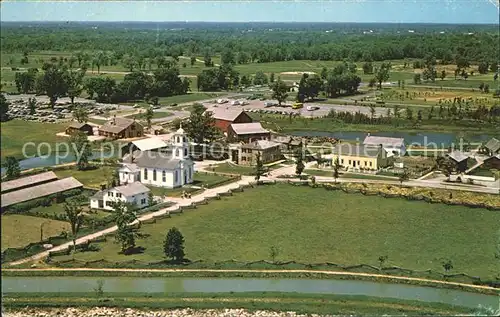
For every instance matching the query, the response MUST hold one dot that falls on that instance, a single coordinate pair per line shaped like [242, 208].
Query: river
[70, 284]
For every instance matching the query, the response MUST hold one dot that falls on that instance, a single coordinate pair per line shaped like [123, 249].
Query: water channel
[69, 284]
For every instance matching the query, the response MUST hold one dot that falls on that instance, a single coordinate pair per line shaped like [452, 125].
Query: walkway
[208, 193]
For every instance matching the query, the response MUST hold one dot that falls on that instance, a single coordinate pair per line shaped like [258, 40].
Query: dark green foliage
[12, 169]
[173, 245]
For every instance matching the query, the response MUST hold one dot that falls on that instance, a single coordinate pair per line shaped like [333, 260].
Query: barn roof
[27, 181]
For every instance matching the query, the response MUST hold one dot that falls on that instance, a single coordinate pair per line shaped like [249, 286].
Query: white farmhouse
[160, 168]
[393, 146]
[134, 193]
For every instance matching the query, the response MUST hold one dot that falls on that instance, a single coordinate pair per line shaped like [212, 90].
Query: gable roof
[248, 128]
[356, 150]
[149, 144]
[385, 141]
[157, 160]
[133, 168]
[132, 189]
[42, 190]
[493, 145]
[458, 156]
[260, 145]
[27, 181]
[117, 125]
[78, 125]
[226, 114]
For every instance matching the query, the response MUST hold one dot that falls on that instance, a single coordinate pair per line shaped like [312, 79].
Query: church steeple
[180, 144]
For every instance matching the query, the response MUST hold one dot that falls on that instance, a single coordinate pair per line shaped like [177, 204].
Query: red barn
[225, 117]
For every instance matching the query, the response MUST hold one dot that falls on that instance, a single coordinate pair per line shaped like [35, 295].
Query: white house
[134, 193]
[162, 169]
[393, 146]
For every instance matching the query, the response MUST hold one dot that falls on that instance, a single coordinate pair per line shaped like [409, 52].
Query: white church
[170, 169]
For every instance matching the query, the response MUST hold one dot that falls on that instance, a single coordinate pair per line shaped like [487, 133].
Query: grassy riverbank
[300, 303]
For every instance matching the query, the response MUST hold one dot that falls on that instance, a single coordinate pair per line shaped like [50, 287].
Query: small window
[243, 158]
[359, 163]
[143, 201]
[342, 161]
[164, 176]
[371, 164]
[349, 162]
[243, 150]
[366, 163]
[176, 179]
[110, 194]
[154, 175]
[185, 152]
[132, 127]
[145, 173]
[119, 195]
[108, 203]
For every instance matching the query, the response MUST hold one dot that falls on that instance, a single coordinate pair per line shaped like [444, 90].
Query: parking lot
[321, 111]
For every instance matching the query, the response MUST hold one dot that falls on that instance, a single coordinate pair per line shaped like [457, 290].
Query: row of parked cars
[271, 111]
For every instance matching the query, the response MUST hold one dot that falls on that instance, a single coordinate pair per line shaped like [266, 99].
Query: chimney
[103, 186]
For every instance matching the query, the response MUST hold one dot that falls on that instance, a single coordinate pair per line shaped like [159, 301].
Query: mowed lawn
[15, 133]
[313, 225]
[90, 178]
[20, 230]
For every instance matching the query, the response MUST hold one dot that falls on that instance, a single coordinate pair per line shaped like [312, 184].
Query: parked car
[312, 108]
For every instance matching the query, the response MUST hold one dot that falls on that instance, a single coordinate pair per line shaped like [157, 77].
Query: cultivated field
[312, 226]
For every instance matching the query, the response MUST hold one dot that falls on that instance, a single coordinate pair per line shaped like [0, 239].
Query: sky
[391, 11]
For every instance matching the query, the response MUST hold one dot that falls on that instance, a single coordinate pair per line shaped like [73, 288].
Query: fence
[289, 265]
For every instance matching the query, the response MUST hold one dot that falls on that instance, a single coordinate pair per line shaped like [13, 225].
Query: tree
[417, 79]
[227, 57]
[445, 165]
[419, 115]
[201, 127]
[259, 168]
[482, 68]
[273, 253]
[280, 90]
[102, 87]
[260, 78]
[74, 81]
[382, 74]
[409, 113]
[81, 114]
[32, 105]
[149, 116]
[52, 82]
[271, 78]
[173, 246]
[299, 165]
[25, 81]
[396, 111]
[336, 168]
[447, 266]
[404, 176]
[129, 62]
[4, 108]
[208, 60]
[193, 60]
[245, 82]
[124, 216]
[82, 150]
[368, 68]
[372, 112]
[382, 259]
[12, 169]
[74, 215]
[443, 74]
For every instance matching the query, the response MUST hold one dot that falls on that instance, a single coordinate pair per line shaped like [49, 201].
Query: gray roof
[356, 150]
[131, 166]
[132, 189]
[260, 145]
[282, 139]
[99, 195]
[493, 145]
[385, 141]
[157, 160]
[458, 156]
[248, 128]
[78, 125]
[27, 181]
[117, 125]
[39, 191]
[226, 114]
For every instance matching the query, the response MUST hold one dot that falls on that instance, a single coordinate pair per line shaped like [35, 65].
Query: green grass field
[313, 226]
[89, 178]
[20, 230]
[329, 173]
[16, 133]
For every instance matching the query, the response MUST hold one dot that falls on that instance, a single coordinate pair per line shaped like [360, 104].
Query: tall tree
[259, 167]
[74, 215]
[383, 74]
[260, 78]
[32, 105]
[4, 108]
[173, 246]
[280, 90]
[336, 168]
[404, 176]
[124, 216]
[12, 169]
[193, 60]
[299, 164]
[74, 81]
[82, 149]
[81, 114]
[52, 82]
[271, 78]
[149, 116]
[25, 81]
[201, 127]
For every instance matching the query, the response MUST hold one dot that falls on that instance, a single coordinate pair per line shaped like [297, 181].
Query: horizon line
[243, 22]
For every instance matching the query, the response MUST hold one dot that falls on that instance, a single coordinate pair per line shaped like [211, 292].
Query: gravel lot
[112, 312]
